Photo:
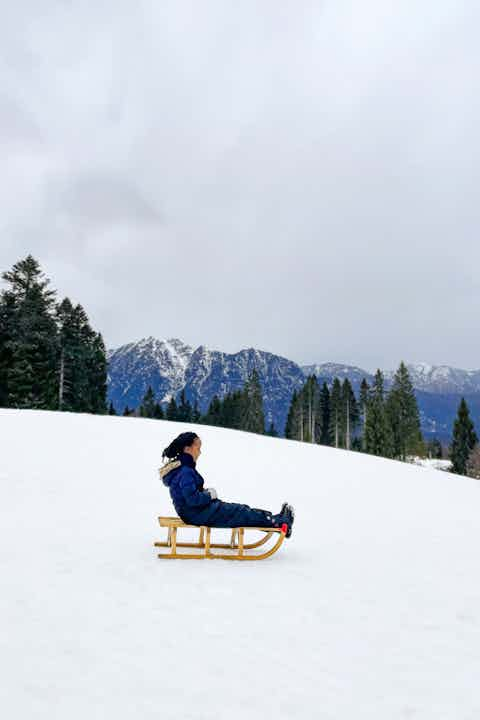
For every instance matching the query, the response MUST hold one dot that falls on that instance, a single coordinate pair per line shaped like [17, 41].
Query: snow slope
[370, 611]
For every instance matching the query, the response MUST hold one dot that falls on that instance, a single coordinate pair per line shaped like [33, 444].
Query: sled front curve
[204, 543]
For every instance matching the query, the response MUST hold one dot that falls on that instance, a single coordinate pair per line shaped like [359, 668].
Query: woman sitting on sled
[197, 505]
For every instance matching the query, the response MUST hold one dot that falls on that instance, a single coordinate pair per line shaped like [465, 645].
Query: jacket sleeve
[192, 495]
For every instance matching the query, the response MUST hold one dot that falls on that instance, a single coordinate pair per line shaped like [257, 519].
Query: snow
[423, 368]
[435, 463]
[334, 369]
[370, 611]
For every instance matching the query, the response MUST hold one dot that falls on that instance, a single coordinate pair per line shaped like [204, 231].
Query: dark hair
[177, 445]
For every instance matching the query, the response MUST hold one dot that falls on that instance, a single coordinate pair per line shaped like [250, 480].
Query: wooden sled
[204, 543]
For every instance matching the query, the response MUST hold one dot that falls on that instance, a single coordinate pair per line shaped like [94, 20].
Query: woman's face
[194, 449]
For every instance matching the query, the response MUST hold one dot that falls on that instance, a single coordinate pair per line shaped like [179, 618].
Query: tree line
[376, 422]
[240, 409]
[50, 357]
[380, 423]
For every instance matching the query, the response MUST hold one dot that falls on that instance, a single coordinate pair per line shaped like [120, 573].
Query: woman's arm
[192, 495]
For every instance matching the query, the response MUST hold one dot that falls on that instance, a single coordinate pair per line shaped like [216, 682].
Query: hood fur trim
[167, 467]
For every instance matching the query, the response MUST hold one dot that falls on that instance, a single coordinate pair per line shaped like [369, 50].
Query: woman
[197, 505]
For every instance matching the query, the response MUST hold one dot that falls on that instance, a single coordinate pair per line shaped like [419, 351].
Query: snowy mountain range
[428, 378]
[171, 365]
[442, 378]
[328, 371]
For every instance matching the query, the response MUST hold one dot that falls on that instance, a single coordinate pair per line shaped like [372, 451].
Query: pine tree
[147, 406]
[473, 463]
[253, 419]
[7, 334]
[434, 449]
[229, 415]
[85, 337]
[312, 412]
[97, 375]
[308, 410]
[158, 412]
[196, 414]
[184, 410]
[239, 402]
[350, 414]
[49, 355]
[357, 444]
[336, 412]
[111, 409]
[464, 439]
[402, 411]
[28, 360]
[290, 424]
[67, 355]
[172, 410]
[213, 415]
[271, 430]
[306, 414]
[378, 433]
[325, 436]
[80, 369]
[363, 405]
[82, 362]
[126, 411]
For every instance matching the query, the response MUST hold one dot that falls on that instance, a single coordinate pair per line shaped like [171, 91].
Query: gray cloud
[301, 177]
[96, 200]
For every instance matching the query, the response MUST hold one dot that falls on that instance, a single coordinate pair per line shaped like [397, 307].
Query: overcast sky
[300, 177]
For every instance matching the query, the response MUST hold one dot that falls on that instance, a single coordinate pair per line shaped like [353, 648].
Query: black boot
[291, 516]
[286, 516]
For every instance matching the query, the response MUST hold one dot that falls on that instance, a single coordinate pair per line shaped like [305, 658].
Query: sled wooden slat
[177, 522]
[173, 522]
[237, 544]
[207, 541]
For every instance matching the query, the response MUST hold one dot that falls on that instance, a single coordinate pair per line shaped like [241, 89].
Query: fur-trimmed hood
[166, 469]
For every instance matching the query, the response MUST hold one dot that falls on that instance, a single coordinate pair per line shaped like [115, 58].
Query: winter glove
[213, 493]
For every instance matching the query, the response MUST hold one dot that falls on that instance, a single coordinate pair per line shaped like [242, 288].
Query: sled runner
[238, 547]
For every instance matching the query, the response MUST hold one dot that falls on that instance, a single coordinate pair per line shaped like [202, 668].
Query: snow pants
[238, 515]
[227, 515]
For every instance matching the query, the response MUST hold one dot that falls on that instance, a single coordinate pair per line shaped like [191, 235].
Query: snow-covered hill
[370, 611]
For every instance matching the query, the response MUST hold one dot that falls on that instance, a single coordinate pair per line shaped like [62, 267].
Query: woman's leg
[239, 515]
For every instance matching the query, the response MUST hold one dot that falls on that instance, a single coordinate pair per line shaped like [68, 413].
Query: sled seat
[237, 546]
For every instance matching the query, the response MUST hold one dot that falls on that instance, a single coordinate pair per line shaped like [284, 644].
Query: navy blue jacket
[192, 503]
[195, 506]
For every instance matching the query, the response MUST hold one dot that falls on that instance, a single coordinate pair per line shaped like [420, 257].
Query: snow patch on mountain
[135, 366]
